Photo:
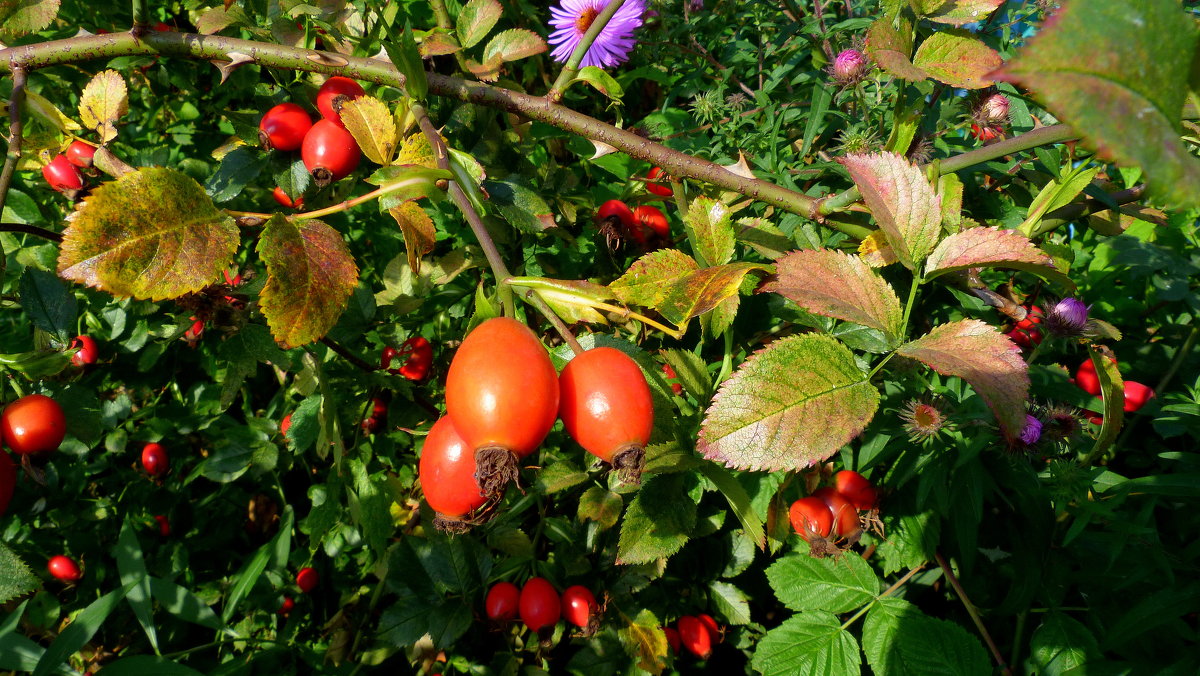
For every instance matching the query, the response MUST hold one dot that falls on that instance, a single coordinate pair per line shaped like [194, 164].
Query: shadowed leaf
[659, 520]
[899, 639]
[957, 58]
[22, 17]
[768, 240]
[992, 247]
[152, 233]
[836, 284]
[476, 20]
[520, 206]
[644, 641]
[648, 280]
[703, 290]
[709, 221]
[1125, 99]
[418, 229]
[103, 102]
[981, 355]
[310, 276]
[373, 126]
[790, 405]
[902, 202]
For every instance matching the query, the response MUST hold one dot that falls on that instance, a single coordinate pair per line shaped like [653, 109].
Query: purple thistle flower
[1069, 317]
[1032, 431]
[612, 47]
[849, 66]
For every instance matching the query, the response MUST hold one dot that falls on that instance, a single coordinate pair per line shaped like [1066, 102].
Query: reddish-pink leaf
[992, 247]
[789, 406]
[836, 284]
[902, 202]
[985, 358]
[310, 276]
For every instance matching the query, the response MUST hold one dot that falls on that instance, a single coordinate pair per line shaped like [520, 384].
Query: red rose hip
[284, 127]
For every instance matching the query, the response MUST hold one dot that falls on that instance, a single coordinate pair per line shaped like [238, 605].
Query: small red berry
[284, 127]
[1136, 395]
[616, 210]
[286, 606]
[653, 224]
[285, 424]
[329, 152]
[671, 375]
[419, 360]
[80, 154]
[578, 605]
[87, 351]
[62, 175]
[192, 335]
[283, 199]
[164, 525]
[63, 568]
[654, 185]
[385, 358]
[811, 517]
[695, 636]
[711, 624]
[502, 601]
[539, 604]
[154, 459]
[307, 579]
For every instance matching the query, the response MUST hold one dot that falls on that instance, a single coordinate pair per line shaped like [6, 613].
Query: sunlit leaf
[902, 202]
[42, 107]
[22, 17]
[987, 359]
[105, 99]
[416, 150]
[513, 44]
[438, 43]
[875, 250]
[957, 58]
[310, 276]
[703, 290]
[836, 284]
[659, 520]
[649, 279]
[768, 240]
[959, 12]
[601, 81]
[992, 247]
[790, 405]
[836, 584]
[373, 126]
[891, 47]
[809, 644]
[644, 641]
[418, 230]
[152, 233]
[710, 223]
[476, 20]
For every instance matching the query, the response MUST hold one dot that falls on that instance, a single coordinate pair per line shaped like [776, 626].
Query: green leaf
[600, 81]
[957, 58]
[476, 20]
[183, 604]
[659, 520]
[456, 565]
[1126, 99]
[310, 276]
[959, 12]
[910, 542]
[809, 644]
[768, 240]
[649, 279]
[80, 631]
[1165, 606]
[987, 359]
[600, 505]
[407, 59]
[1061, 645]
[244, 580]
[294, 179]
[513, 44]
[691, 371]
[369, 508]
[22, 17]
[36, 365]
[20, 653]
[730, 602]
[644, 640]
[139, 665]
[902, 201]
[15, 577]
[899, 639]
[559, 476]
[992, 247]
[711, 230]
[306, 424]
[151, 234]
[520, 206]
[739, 501]
[840, 285]
[132, 569]
[833, 584]
[408, 180]
[703, 290]
[239, 167]
[50, 305]
[412, 617]
[789, 406]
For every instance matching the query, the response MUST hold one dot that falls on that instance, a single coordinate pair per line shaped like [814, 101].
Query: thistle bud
[849, 66]
[994, 109]
[1032, 431]
[1068, 318]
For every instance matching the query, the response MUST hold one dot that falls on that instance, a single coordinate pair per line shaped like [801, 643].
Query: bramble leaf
[104, 100]
[992, 247]
[836, 585]
[373, 127]
[987, 359]
[790, 405]
[899, 639]
[836, 284]
[902, 202]
[151, 233]
[710, 223]
[1062, 645]
[476, 20]
[648, 280]
[418, 230]
[310, 276]
[810, 644]
[957, 58]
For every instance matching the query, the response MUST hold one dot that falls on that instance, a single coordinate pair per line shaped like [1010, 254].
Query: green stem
[571, 69]
[1037, 351]
[908, 305]
[962, 596]
[140, 19]
[535, 299]
[880, 365]
[442, 16]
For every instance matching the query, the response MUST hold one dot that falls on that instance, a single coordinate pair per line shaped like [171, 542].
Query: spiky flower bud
[849, 66]
[1068, 318]
[993, 110]
[922, 419]
[1032, 431]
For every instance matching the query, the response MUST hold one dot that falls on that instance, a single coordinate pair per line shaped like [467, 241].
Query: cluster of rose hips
[1136, 394]
[63, 172]
[540, 606]
[327, 149]
[646, 226]
[831, 513]
[696, 633]
[502, 397]
[417, 355]
[1026, 332]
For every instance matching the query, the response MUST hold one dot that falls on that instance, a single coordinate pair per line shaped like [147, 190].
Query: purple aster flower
[849, 66]
[1032, 431]
[573, 18]
[1069, 317]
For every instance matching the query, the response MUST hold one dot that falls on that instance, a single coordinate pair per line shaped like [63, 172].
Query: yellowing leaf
[373, 126]
[713, 231]
[902, 202]
[645, 641]
[104, 100]
[310, 276]
[648, 280]
[875, 250]
[419, 232]
[438, 43]
[957, 58]
[981, 355]
[992, 247]
[513, 44]
[488, 71]
[835, 284]
[703, 290]
[152, 233]
[39, 105]
[416, 150]
[789, 406]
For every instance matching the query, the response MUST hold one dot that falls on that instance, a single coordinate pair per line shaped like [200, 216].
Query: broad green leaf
[644, 641]
[902, 202]
[994, 248]
[809, 644]
[600, 81]
[730, 602]
[600, 505]
[558, 476]
[183, 604]
[891, 47]
[369, 507]
[768, 240]
[832, 584]
[910, 542]
[1057, 193]
[412, 617]
[899, 639]
[22, 654]
[520, 206]
[82, 628]
[294, 179]
[957, 58]
[789, 406]
[245, 579]
[50, 305]
[959, 12]
[476, 20]
[1168, 605]
[132, 569]
[987, 359]
[418, 230]
[138, 665]
[1124, 99]
[703, 290]
[456, 565]
[22, 17]
[239, 167]
[42, 107]
[306, 424]
[151, 234]
[15, 577]
[659, 520]
[836, 284]
[104, 100]
[649, 279]
[712, 230]
[373, 127]
[310, 276]
[1061, 645]
[513, 44]
[739, 501]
